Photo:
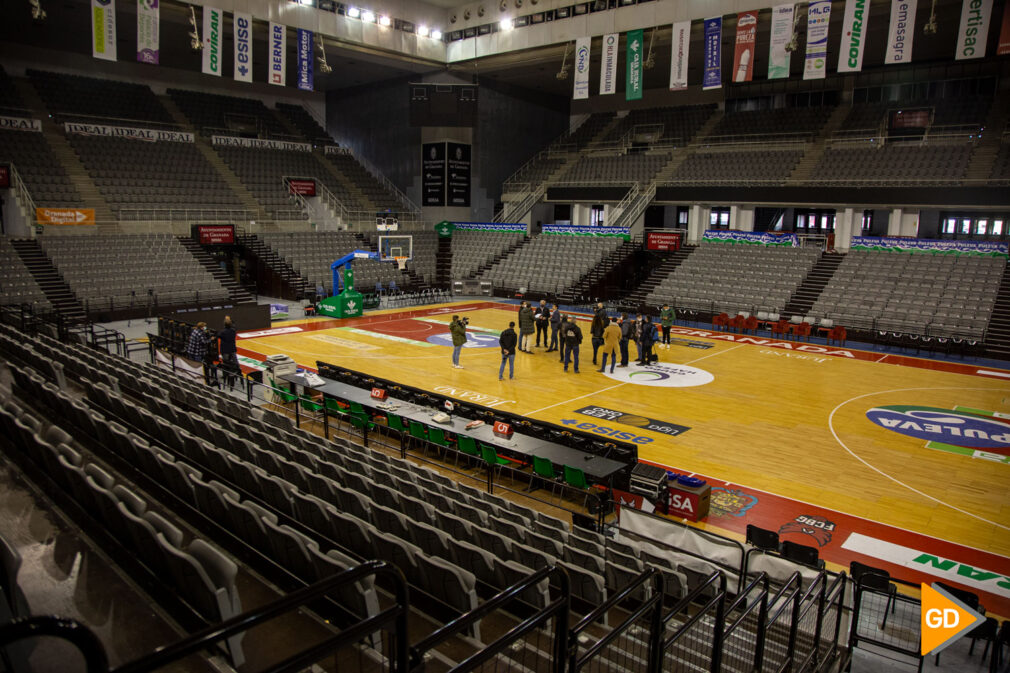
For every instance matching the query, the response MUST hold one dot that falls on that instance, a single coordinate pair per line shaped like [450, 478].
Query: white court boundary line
[831, 427]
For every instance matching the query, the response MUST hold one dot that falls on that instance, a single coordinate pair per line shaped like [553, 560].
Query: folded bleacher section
[263, 172]
[893, 163]
[147, 180]
[43, 174]
[944, 296]
[215, 114]
[17, 285]
[114, 272]
[311, 254]
[76, 95]
[720, 277]
[473, 249]
[550, 264]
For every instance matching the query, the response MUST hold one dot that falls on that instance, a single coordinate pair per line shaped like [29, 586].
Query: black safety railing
[780, 628]
[885, 618]
[696, 641]
[392, 620]
[743, 641]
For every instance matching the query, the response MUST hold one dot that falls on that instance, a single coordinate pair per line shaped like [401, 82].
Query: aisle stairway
[659, 274]
[997, 334]
[984, 155]
[804, 170]
[49, 279]
[292, 284]
[236, 292]
[810, 289]
[592, 283]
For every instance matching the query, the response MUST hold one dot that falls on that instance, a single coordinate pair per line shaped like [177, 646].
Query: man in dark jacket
[526, 327]
[596, 328]
[555, 326]
[627, 334]
[229, 353]
[507, 341]
[649, 335]
[458, 331]
[572, 339]
[543, 316]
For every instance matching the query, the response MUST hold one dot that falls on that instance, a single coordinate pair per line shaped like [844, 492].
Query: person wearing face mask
[199, 341]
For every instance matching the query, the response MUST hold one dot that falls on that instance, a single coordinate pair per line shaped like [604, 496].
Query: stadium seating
[118, 102]
[304, 122]
[17, 285]
[922, 294]
[227, 115]
[262, 171]
[734, 278]
[10, 98]
[311, 255]
[549, 263]
[740, 167]
[44, 176]
[376, 196]
[893, 163]
[769, 125]
[615, 170]
[133, 174]
[1001, 167]
[680, 124]
[472, 249]
[954, 111]
[424, 252]
[115, 271]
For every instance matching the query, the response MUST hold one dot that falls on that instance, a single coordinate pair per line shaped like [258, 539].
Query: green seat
[395, 423]
[418, 431]
[491, 458]
[544, 468]
[281, 395]
[467, 446]
[576, 478]
[437, 438]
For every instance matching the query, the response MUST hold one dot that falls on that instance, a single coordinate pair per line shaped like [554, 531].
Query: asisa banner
[934, 246]
[751, 238]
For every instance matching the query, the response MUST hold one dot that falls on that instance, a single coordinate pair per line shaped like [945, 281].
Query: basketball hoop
[401, 262]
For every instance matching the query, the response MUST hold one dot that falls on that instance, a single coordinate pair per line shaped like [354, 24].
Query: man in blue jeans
[458, 331]
[507, 341]
[572, 339]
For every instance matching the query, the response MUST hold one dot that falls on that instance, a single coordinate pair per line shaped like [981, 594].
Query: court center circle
[662, 375]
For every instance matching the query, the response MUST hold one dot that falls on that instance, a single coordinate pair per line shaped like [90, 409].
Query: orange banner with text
[65, 215]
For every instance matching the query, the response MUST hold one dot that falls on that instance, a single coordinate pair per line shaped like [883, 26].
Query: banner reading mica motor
[305, 57]
[581, 89]
[608, 64]
[633, 84]
[818, 20]
[103, 29]
[148, 28]
[212, 21]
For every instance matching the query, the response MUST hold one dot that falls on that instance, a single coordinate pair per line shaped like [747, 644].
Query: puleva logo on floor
[662, 375]
[958, 428]
[944, 619]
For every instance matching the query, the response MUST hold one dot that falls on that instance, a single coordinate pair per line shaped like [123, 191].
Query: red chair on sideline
[781, 328]
[837, 335]
[802, 330]
[751, 325]
[737, 323]
[720, 321]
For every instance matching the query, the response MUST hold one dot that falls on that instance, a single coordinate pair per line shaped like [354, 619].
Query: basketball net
[401, 262]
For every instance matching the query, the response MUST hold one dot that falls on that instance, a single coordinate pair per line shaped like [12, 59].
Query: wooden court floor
[786, 420]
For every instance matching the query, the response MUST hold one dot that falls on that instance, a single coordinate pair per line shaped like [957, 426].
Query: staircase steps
[984, 156]
[443, 263]
[359, 198]
[997, 334]
[296, 284]
[659, 273]
[804, 169]
[50, 281]
[810, 289]
[236, 292]
[593, 282]
[483, 268]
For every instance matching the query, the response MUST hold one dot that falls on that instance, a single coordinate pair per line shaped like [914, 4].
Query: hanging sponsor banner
[581, 84]
[433, 174]
[243, 34]
[854, 29]
[212, 41]
[1003, 48]
[256, 143]
[608, 64]
[751, 238]
[103, 29]
[901, 32]
[490, 226]
[818, 20]
[743, 55]
[633, 59]
[782, 32]
[148, 31]
[712, 78]
[150, 135]
[562, 230]
[336, 149]
[983, 248]
[974, 31]
[65, 215]
[303, 187]
[457, 167]
[20, 124]
[278, 54]
[305, 56]
[678, 58]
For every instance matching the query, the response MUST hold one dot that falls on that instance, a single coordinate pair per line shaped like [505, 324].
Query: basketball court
[868, 456]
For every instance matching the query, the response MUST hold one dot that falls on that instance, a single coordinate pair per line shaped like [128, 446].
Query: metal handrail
[190, 214]
[21, 191]
[62, 117]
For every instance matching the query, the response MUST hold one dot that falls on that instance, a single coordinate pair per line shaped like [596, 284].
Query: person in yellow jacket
[611, 344]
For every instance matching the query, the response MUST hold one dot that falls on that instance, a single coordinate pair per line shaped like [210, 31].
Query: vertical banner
[212, 41]
[305, 56]
[854, 29]
[973, 35]
[782, 32]
[433, 178]
[103, 29]
[901, 32]
[818, 20]
[678, 58]
[582, 68]
[278, 54]
[608, 64]
[1003, 48]
[743, 54]
[148, 31]
[712, 78]
[457, 167]
[242, 27]
[633, 80]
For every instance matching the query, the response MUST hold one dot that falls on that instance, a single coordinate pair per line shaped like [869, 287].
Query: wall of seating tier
[75, 94]
[132, 174]
[893, 163]
[217, 113]
[735, 278]
[311, 254]
[44, 176]
[680, 124]
[757, 166]
[772, 123]
[473, 249]
[116, 271]
[376, 195]
[263, 171]
[926, 294]
[550, 264]
[300, 118]
[621, 169]
[17, 285]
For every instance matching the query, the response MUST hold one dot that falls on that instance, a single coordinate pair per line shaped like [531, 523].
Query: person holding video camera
[457, 328]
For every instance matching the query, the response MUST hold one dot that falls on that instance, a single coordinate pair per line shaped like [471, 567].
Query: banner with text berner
[581, 89]
[103, 29]
[305, 57]
[633, 81]
[277, 41]
[212, 41]
[712, 79]
[678, 58]
[818, 20]
[854, 28]
[782, 32]
[743, 55]
[901, 32]
[148, 50]
[243, 28]
[973, 34]
[608, 64]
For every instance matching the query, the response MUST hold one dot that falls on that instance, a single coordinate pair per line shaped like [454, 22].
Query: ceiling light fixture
[385, 20]
[368, 16]
[354, 12]
[505, 24]
[436, 35]
[422, 31]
